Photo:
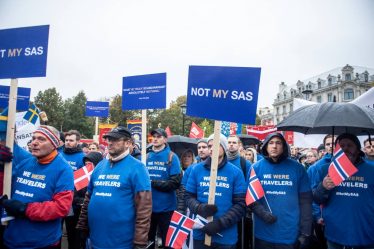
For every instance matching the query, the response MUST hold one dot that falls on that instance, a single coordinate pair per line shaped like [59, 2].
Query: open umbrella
[330, 118]
[178, 144]
[248, 139]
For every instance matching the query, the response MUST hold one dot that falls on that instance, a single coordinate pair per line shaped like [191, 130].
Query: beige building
[341, 85]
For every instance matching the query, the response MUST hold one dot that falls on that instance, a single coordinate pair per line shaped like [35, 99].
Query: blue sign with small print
[144, 92]
[23, 97]
[223, 93]
[23, 52]
[97, 109]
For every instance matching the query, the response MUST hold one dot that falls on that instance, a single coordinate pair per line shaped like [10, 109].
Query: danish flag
[179, 228]
[341, 167]
[254, 190]
[82, 176]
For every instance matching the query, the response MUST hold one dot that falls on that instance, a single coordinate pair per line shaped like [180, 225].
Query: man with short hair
[165, 173]
[233, 156]
[117, 207]
[42, 193]
[369, 150]
[348, 207]
[73, 154]
[284, 219]
[229, 205]
[203, 151]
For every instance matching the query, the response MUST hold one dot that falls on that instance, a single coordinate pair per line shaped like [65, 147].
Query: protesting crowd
[127, 204]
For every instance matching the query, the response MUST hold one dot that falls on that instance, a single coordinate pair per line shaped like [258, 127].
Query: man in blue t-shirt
[165, 173]
[118, 204]
[229, 205]
[42, 193]
[73, 154]
[283, 218]
[348, 207]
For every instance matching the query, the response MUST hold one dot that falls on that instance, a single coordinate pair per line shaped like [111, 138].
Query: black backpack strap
[243, 164]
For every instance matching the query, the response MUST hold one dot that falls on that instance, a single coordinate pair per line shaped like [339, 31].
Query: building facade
[339, 85]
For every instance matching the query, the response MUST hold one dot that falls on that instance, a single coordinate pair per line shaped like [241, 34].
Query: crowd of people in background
[129, 205]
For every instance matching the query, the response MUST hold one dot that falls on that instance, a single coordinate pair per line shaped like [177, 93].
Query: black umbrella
[248, 139]
[178, 144]
[330, 118]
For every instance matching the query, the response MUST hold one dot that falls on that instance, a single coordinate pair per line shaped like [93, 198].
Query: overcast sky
[93, 44]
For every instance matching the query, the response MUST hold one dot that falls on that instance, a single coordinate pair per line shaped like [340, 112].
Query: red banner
[168, 131]
[196, 131]
[260, 131]
[103, 129]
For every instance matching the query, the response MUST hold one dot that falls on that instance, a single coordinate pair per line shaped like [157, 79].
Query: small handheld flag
[341, 167]
[32, 114]
[254, 190]
[82, 176]
[179, 228]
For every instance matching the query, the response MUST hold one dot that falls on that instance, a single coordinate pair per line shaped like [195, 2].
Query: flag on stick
[254, 190]
[196, 131]
[32, 114]
[341, 167]
[82, 176]
[179, 228]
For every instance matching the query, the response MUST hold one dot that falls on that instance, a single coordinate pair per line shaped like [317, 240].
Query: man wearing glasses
[118, 201]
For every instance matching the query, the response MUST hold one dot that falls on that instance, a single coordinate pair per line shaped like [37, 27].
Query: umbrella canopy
[330, 117]
[248, 139]
[178, 144]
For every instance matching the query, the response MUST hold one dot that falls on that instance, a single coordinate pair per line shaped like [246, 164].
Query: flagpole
[10, 135]
[213, 172]
[267, 203]
[144, 136]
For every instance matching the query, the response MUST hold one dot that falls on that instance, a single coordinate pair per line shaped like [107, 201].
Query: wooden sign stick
[213, 172]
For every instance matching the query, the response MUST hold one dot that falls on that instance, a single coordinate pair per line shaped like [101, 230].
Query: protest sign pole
[96, 125]
[213, 172]
[10, 135]
[144, 136]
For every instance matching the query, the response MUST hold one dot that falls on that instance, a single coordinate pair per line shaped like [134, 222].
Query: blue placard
[144, 92]
[97, 109]
[23, 52]
[23, 97]
[223, 93]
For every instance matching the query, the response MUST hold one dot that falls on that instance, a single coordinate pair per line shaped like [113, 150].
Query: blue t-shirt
[230, 182]
[282, 183]
[236, 162]
[34, 182]
[348, 214]
[75, 160]
[111, 210]
[320, 171]
[159, 169]
[187, 174]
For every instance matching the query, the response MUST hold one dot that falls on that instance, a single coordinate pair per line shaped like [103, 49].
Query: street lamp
[183, 109]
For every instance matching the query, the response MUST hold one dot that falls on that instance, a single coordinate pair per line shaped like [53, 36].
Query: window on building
[319, 85]
[284, 95]
[348, 76]
[366, 77]
[277, 110]
[329, 97]
[291, 94]
[291, 107]
[319, 99]
[348, 94]
[284, 109]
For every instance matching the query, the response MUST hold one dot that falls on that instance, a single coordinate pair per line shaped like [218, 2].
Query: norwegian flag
[179, 228]
[82, 176]
[254, 190]
[196, 131]
[341, 167]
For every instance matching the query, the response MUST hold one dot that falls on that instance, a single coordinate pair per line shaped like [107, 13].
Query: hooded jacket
[286, 149]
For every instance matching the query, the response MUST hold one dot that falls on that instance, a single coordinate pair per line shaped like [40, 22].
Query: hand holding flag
[341, 167]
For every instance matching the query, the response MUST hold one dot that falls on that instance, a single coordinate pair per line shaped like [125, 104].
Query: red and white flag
[179, 228]
[196, 131]
[82, 176]
[254, 190]
[341, 167]
[260, 131]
